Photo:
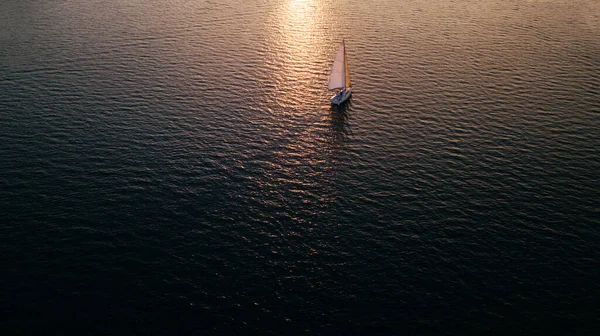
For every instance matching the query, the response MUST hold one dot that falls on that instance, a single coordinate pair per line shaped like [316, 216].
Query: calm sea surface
[175, 166]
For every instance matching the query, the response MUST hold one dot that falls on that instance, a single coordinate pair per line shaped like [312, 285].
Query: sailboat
[339, 79]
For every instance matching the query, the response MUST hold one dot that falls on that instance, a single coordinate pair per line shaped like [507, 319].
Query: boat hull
[341, 96]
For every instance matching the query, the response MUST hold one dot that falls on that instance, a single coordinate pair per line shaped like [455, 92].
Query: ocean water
[174, 166]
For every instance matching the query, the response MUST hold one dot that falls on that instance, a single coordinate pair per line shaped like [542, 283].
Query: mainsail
[339, 77]
[347, 72]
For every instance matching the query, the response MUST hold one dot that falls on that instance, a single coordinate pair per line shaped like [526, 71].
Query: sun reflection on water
[298, 52]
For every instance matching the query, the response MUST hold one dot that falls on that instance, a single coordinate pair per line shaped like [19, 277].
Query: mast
[347, 82]
[344, 66]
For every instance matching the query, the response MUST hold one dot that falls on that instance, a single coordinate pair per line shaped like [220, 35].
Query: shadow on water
[339, 122]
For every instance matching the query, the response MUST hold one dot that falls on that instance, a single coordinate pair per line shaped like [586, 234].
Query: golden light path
[298, 44]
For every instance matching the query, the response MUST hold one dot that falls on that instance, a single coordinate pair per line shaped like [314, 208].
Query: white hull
[341, 96]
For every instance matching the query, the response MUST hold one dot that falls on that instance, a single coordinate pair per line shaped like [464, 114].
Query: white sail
[337, 79]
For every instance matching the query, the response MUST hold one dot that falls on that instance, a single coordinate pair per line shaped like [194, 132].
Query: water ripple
[175, 165]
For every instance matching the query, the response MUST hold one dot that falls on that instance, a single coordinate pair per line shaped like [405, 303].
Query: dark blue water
[174, 167]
